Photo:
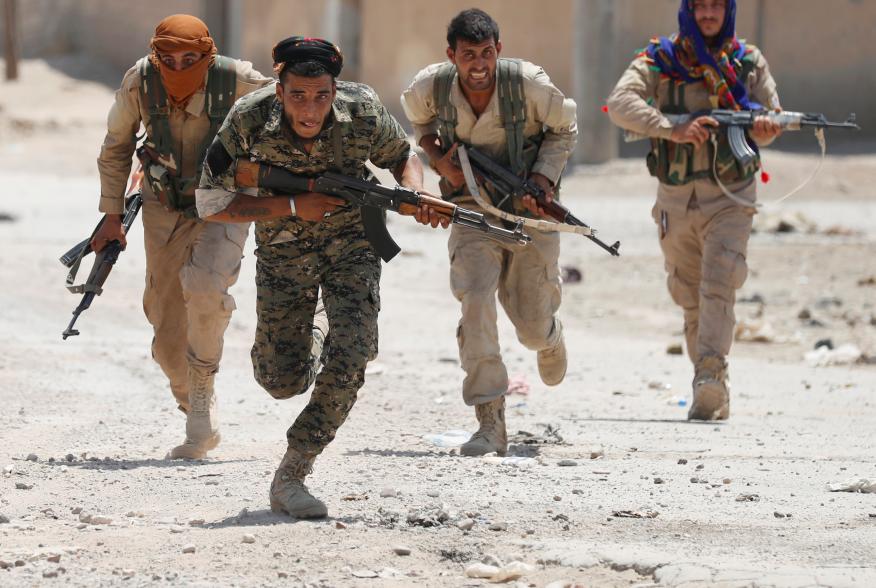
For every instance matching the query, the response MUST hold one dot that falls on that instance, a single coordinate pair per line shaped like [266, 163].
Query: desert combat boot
[202, 423]
[289, 495]
[490, 436]
[552, 362]
[711, 390]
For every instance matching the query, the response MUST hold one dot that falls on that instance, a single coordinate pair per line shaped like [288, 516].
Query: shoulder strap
[221, 88]
[512, 104]
[152, 94]
[446, 110]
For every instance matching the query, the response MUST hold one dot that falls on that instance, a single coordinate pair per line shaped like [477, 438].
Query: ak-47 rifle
[372, 198]
[737, 122]
[510, 185]
[104, 259]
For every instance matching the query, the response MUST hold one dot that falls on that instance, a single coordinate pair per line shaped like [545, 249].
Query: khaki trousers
[705, 265]
[528, 282]
[190, 265]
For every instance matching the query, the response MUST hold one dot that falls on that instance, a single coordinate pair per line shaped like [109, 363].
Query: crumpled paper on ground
[863, 485]
[453, 438]
[842, 355]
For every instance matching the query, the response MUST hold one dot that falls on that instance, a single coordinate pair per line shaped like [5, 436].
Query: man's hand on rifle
[110, 230]
[695, 131]
[530, 203]
[764, 130]
[427, 215]
[313, 206]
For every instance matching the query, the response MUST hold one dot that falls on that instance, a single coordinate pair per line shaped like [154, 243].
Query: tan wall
[819, 51]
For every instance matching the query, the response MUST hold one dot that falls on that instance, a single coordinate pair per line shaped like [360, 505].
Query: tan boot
[552, 363]
[491, 435]
[202, 425]
[288, 493]
[711, 391]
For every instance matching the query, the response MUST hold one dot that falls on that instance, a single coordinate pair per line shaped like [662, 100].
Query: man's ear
[451, 55]
[279, 89]
[498, 47]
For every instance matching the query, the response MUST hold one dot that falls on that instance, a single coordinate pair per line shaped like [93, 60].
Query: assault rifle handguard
[372, 198]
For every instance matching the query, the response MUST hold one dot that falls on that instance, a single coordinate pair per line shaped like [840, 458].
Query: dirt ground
[607, 483]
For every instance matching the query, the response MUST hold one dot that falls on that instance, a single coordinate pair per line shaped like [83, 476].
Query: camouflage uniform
[296, 257]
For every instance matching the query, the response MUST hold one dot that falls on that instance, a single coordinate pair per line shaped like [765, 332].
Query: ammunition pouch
[175, 194]
[672, 163]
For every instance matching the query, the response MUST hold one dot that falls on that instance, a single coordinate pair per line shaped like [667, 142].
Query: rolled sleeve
[418, 103]
[117, 150]
[630, 103]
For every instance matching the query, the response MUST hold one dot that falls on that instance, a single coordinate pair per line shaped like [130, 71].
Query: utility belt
[160, 172]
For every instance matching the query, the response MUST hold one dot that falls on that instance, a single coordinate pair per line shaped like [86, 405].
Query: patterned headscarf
[685, 56]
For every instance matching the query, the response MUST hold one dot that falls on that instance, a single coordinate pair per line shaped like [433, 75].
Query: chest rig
[162, 161]
[673, 163]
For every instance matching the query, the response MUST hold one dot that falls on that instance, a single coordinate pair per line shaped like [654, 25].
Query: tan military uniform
[527, 278]
[189, 264]
[703, 234]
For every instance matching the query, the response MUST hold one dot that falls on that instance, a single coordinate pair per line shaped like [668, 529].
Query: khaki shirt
[256, 129]
[636, 103]
[546, 110]
[187, 127]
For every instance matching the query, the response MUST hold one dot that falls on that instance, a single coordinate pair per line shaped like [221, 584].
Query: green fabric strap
[220, 92]
[512, 103]
[446, 111]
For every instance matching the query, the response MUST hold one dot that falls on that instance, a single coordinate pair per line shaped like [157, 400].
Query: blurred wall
[818, 50]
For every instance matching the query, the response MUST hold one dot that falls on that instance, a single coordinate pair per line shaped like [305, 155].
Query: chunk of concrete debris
[401, 550]
[506, 573]
[248, 538]
[364, 574]
[188, 548]
[465, 524]
[862, 485]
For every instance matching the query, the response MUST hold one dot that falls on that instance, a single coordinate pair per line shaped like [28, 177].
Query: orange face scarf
[182, 32]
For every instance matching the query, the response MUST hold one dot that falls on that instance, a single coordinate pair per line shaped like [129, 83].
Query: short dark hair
[305, 69]
[472, 25]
